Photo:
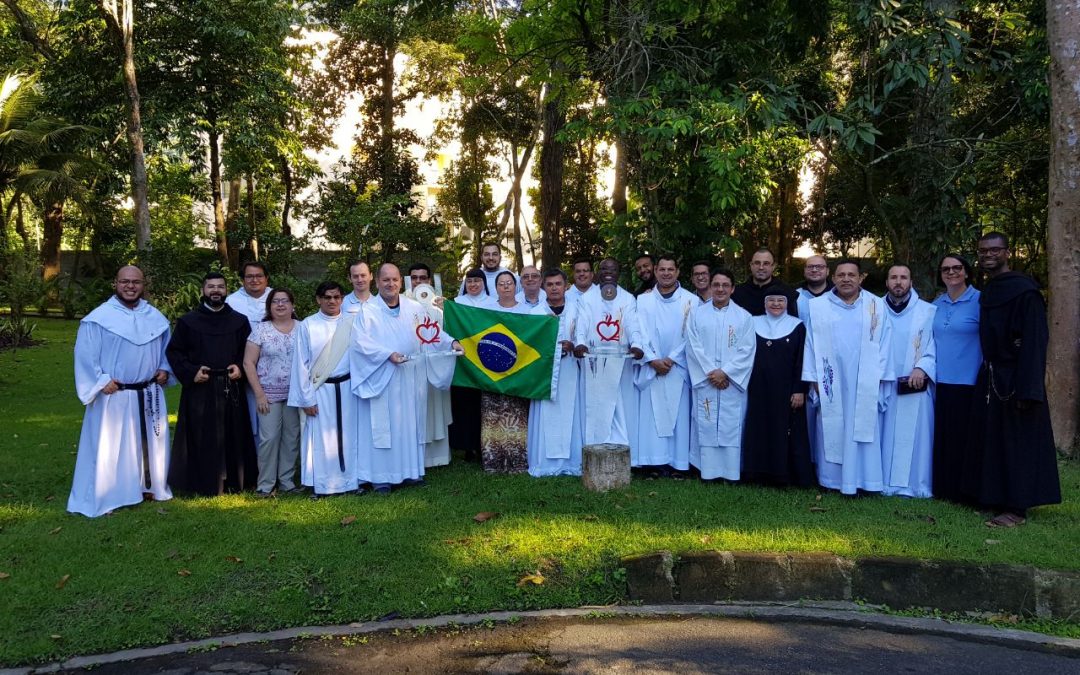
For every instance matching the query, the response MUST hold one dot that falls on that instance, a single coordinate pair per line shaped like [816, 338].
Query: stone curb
[844, 614]
[899, 583]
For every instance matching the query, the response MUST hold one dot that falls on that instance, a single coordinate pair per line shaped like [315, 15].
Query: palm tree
[39, 159]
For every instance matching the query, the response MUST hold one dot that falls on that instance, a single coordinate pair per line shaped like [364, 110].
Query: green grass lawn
[193, 568]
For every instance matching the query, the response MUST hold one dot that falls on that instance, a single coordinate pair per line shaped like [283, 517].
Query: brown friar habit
[1012, 462]
[213, 449]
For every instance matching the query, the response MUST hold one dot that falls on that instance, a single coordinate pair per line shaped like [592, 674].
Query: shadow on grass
[199, 567]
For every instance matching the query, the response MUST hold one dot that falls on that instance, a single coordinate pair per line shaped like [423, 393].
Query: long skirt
[952, 438]
[464, 431]
[504, 433]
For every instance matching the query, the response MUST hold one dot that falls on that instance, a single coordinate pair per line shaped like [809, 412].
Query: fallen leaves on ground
[817, 509]
[4, 575]
[162, 512]
[234, 559]
[991, 542]
[63, 580]
[348, 520]
[55, 530]
[184, 573]
[535, 578]
[485, 516]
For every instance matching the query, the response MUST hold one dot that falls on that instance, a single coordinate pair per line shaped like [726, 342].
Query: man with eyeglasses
[531, 293]
[583, 280]
[699, 279]
[1013, 462]
[750, 295]
[120, 369]
[213, 449]
[847, 363]
[250, 298]
[439, 413]
[817, 282]
[320, 387]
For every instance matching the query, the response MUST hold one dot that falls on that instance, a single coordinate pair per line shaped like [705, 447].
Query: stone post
[605, 466]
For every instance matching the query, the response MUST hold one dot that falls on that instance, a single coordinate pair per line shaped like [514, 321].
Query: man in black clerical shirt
[213, 449]
[1012, 461]
[750, 295]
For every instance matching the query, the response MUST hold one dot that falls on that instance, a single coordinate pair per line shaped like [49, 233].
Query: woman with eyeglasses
[956, 332]
[268, 366]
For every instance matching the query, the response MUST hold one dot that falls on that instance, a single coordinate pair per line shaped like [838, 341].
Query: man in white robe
[663, 380]
[607, 336]
[393, 358]
[320, 387]
[907, 425]
[720, 347]
[583, 280]
[439, 416]
[491, 265]
[360, 278]
[120, 369]
[554, 433]
[250, 300]
[847, 361]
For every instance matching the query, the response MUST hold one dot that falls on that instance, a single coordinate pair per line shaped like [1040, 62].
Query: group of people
[825, 384]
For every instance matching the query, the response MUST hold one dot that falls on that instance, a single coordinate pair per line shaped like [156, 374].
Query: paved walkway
[743, 638]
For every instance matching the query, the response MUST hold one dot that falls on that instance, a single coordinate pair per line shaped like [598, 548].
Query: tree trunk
[386, 124]
[552, 156]
[215, 194]
[120, 17]
[53, 220]
[519, 255]
[1063, 224]
[232, 216]
[287, 181]
[254, 241]
[20, 226]
[618, 188]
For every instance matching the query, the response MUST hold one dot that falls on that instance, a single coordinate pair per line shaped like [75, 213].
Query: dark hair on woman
[963, 261]
[270, 302]
[477, 273]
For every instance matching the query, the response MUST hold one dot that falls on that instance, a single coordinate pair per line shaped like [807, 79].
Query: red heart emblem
[428, 332]
[608, 329]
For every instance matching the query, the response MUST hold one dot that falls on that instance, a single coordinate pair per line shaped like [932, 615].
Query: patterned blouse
[275, 359]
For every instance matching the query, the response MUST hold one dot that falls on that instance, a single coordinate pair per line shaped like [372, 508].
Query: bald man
[120, 369]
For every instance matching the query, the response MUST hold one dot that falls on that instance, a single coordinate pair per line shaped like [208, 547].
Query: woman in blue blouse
[956, 333]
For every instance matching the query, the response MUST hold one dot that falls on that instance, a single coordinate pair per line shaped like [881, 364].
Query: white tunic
[320, 460]
[847, 354]
[719, 338]
[482, 301]
[555, 433]
[436, 436]
[664, 401]
[392, 413]
[126, 345]
[253, 308]
[610, 398]
[907, 425]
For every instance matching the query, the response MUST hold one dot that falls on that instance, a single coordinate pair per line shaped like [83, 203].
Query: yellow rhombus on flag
[484, 339]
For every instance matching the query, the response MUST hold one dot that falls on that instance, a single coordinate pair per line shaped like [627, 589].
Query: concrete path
[743, 638]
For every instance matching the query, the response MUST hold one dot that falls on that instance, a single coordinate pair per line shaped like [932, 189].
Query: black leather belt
[336, 381]
[144, 435]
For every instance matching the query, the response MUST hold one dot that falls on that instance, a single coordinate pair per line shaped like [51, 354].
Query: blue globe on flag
[497, 352]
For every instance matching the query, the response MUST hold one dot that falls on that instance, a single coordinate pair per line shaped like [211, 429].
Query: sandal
[1006, 520]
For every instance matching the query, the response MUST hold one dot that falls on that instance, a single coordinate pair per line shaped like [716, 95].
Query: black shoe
[414, 482]
[382, 490]
[360, 491]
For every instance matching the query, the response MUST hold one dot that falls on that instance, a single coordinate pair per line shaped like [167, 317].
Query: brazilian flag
[505, 353]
